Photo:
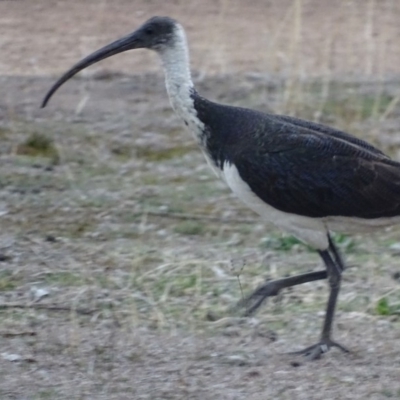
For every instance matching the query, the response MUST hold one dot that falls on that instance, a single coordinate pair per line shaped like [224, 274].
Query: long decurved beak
[128, 42]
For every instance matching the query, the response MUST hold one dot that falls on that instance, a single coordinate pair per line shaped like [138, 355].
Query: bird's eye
[149, 31]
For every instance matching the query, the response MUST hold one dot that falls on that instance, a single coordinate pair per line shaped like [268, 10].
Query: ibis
[306, 178]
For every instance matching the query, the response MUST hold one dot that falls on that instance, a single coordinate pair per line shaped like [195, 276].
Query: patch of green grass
[39, 145]
[63, 278]
[46, 394]
[190, 228]
[282, 243]
[345, 242]
[288, 243]
[184, 284]
[383, 307]
[8, 281]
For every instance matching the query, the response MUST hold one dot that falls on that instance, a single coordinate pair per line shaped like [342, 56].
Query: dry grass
[122, 257]
[140, 247]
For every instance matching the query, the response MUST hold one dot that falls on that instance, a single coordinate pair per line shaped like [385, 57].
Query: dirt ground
[121, 255]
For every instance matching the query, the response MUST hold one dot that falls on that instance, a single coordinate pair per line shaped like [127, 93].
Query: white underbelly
[356, 225]
[312, 231]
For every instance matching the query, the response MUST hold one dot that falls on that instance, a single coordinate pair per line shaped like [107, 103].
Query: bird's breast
[310, 230]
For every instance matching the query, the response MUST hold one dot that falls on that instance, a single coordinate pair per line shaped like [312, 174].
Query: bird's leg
[336, 255]
[334, 267]
[272, 288]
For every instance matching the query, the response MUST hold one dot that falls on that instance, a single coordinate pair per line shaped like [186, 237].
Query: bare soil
[121, 255]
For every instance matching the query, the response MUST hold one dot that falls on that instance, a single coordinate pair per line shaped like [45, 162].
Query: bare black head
[156, 34]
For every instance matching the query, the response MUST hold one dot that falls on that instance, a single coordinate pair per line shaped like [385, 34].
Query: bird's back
[301, 167]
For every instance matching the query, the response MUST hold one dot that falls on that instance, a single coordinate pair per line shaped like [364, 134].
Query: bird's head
[158, 33]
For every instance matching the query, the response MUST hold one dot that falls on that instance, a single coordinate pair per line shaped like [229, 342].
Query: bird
[307, 179]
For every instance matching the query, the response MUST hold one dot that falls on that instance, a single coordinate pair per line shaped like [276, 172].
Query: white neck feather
[175, 60]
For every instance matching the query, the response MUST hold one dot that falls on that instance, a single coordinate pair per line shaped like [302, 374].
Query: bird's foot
[315, 351]
[252, 302]
[273, 288]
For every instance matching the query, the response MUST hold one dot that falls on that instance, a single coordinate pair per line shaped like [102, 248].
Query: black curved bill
[128, 42]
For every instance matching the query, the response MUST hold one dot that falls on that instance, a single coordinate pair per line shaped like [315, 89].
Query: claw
[315, 351]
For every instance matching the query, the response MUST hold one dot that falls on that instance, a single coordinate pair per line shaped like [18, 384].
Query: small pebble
[295, 364]
[50, 238]
[4, 257]
[396, 276]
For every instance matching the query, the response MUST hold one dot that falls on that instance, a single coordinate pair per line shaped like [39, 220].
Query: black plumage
[303, 176]
[301, 167]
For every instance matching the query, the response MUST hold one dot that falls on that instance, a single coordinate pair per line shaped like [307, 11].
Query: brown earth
[121, 256]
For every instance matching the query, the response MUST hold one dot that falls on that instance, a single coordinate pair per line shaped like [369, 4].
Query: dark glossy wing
[301, 167]
[317, 176]
[328, 131]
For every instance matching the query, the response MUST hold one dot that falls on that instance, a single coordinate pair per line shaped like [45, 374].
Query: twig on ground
[78, 310]
[16, 334]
